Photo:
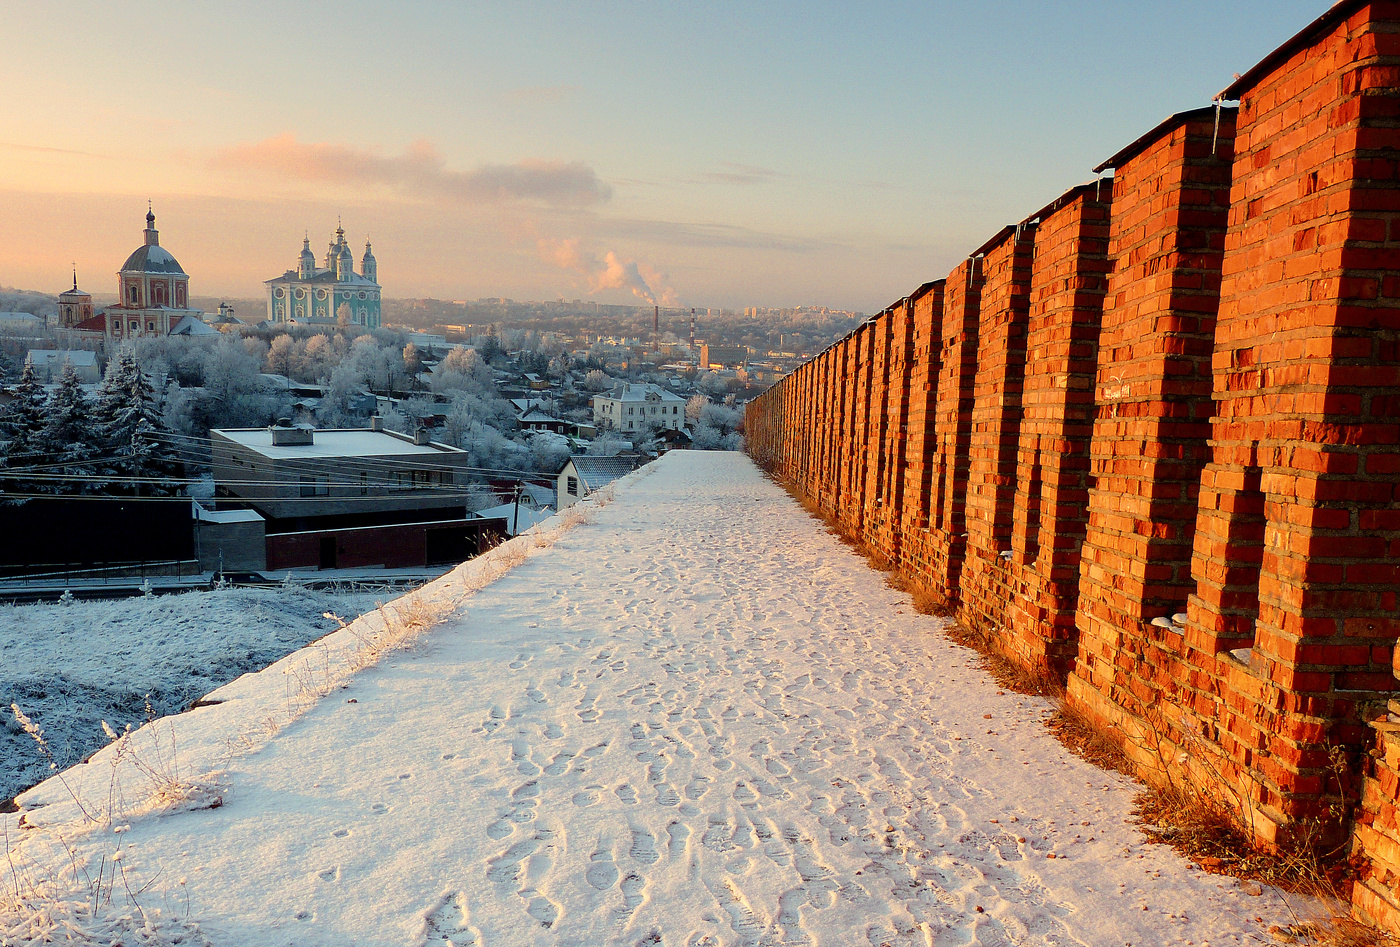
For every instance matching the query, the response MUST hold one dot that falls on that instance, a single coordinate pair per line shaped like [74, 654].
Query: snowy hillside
[69, 667]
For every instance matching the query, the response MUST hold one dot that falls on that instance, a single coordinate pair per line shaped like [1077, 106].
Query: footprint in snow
[643, 846]
[602, 872]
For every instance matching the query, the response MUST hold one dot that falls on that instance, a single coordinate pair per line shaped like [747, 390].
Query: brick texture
[1148, 441]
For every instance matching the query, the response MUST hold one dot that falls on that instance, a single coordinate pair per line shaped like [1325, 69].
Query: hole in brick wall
[1244, 552]
[1032, 537]
[937, 518]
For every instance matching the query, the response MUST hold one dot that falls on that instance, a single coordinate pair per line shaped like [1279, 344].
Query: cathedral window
[300, 293]
[362, 294]
[279, 293]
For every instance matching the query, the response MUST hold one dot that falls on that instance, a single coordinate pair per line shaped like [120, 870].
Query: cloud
[611, 272]
[741, 174]
[15, 146]
[678, 233]
[542, 94]
[420, 172]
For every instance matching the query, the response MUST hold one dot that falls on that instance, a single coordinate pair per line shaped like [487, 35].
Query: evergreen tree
[22, 424]
[133, 434]
[67, 436]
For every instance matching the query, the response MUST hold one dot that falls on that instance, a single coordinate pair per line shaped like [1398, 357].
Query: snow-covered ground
[694, 718]
[71, 666]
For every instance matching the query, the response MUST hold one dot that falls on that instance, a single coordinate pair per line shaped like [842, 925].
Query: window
[150, 327]
[299, 293]
[629, 410]
[314, 486]
[362, 294]
[573, 487]
[320, 294]
[279, 293]
[135, 326]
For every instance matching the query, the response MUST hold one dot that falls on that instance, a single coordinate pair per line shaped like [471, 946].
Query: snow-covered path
[697, 720]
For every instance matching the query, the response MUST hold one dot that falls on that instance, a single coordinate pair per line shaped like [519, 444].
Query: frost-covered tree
[597, 380]
[412, 360]
[464, 370]
[284, 356]
[231, 371]
[135, 440]
[693, 407]
[319, 358]
[549, 452]
[23, 422]
[68, 439]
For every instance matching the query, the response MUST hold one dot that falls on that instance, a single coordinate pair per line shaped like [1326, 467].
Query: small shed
[584, 474]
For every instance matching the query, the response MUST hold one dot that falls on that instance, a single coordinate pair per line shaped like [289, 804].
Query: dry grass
[1007, 672]
[1081, 737]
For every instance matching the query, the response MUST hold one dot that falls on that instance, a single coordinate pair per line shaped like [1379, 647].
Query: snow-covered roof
[193, 325]
[323, 277]
[333, 443]
[226, 516]
[639, 393]
[596, 472]
[535, 415]
[80, 358]
[11, 320]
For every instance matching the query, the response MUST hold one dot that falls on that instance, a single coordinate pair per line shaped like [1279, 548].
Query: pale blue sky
[724, 154]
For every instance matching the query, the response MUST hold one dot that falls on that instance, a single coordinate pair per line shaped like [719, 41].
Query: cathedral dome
[152, 259]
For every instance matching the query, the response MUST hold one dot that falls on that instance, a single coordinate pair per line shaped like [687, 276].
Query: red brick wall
[1183, 419]
[886, 490]
[1298, 532]
[1152, 418]
[952, 428]
[926, 346]
[987, 580]
[1068, 282]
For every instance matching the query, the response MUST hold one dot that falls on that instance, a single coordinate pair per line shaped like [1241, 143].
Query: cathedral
[152, 297]
[333, 294]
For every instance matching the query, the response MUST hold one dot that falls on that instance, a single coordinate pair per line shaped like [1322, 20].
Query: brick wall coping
[922, 291]
[1304, 37]
[1168, 124]
[995, 242]
[1066, 198]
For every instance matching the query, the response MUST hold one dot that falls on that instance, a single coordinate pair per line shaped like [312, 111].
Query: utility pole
[515, 523]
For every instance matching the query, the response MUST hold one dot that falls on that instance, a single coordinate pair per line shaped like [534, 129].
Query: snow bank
[72, 666]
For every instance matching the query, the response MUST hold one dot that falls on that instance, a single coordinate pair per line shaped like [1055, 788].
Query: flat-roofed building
[337, 498]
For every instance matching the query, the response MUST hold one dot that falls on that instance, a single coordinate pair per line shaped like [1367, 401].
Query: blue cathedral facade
[333, 294]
